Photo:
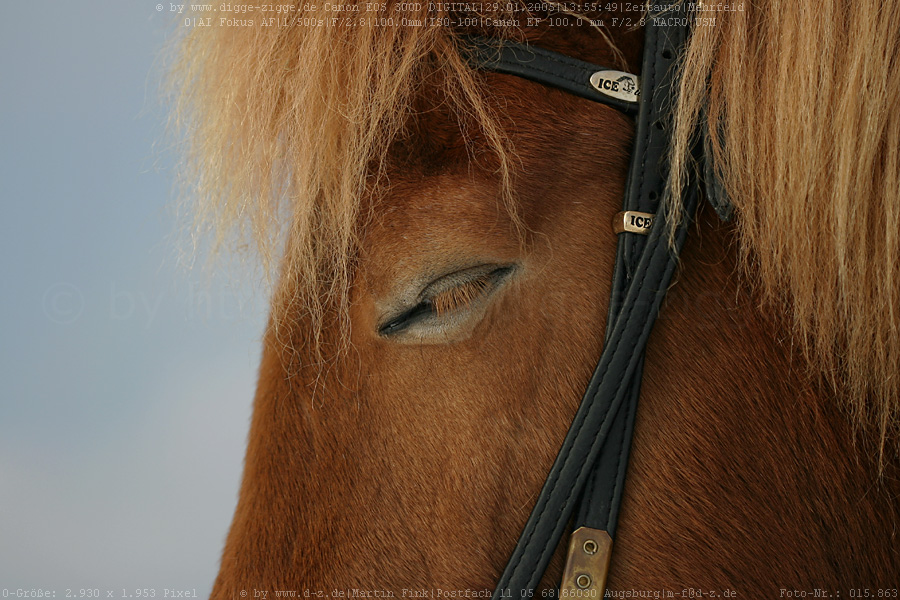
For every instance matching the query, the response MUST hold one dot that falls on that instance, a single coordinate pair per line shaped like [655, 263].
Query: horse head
[442, 287]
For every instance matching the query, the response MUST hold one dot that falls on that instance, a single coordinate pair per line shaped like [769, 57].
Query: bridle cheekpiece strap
[585, 483]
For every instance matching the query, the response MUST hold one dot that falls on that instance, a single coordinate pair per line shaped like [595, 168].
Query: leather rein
[584, 486]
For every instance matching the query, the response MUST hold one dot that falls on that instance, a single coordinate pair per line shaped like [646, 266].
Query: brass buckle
[587, 564]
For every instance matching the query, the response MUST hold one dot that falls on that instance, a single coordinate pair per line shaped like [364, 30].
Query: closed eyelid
[461, 296]
[447, 295]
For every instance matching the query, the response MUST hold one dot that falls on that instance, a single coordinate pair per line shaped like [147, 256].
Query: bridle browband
[584, 486]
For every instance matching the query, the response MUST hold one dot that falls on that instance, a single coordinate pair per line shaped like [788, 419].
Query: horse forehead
[444, 203]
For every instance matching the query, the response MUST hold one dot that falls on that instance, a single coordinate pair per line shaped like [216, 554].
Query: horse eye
[448, 296]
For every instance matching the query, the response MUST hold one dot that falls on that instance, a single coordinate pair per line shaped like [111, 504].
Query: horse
[440, 243]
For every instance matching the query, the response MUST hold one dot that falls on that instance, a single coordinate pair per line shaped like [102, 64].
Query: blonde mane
[805, 97]
[286, 128]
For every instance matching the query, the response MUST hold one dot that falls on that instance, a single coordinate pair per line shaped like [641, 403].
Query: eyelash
[461, 296]
[447, 301]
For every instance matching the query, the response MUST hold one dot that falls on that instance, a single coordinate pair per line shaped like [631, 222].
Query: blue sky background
[125, 380]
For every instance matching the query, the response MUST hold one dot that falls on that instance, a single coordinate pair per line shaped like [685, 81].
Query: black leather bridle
[584, 486]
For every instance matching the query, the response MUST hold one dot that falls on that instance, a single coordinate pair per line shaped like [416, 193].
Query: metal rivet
[589, 547]
[583, 581]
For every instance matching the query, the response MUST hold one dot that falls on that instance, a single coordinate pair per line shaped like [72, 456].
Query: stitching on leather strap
[639, 186]
[632, 311]
[615, 395]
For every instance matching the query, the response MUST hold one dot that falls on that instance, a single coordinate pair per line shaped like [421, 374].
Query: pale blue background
[125, 380]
